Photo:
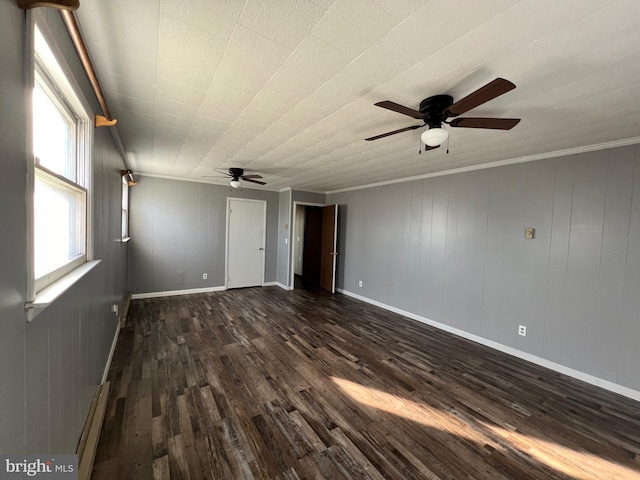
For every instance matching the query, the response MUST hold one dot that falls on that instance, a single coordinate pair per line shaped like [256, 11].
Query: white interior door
[246, 220]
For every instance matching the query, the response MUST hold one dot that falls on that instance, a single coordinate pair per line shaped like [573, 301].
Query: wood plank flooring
[264, 383]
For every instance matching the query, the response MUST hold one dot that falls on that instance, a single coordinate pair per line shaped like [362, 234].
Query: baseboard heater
[91, 432]
[90, 437]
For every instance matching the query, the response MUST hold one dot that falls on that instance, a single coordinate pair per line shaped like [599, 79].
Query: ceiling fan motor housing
[236, 172]
[433, 109]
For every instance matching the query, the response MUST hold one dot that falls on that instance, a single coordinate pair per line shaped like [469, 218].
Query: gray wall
[452, 249]
[308, 197]
[178, 233]
[50, 368]
[284, 237]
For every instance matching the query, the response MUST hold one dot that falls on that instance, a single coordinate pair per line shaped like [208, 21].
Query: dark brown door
[312, 244]
[328, 250]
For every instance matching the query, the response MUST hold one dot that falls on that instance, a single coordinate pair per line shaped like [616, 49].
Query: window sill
[48, 295]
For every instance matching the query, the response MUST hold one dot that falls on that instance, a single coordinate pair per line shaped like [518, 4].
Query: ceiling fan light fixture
[235, 183]
[434, 136]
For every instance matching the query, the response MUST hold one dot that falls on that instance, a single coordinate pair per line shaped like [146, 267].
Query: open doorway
[314, 246]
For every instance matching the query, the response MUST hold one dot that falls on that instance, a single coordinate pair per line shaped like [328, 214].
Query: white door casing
[246, 229]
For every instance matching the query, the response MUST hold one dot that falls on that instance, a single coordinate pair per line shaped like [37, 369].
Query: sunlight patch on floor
[562, 459]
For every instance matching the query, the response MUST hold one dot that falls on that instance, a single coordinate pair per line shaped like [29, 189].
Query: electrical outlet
[204, 276]
[360, 283]
[522, 330]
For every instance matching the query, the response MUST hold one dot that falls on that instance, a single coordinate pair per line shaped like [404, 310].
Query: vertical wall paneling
[512, 254]
[536, 213]
[436, 278]
[464, 261]
[471, 238]
[583, 269]
[13, 255]
[178, 233]
[52, 366]
[414, 237]
[494, 260]
[556, 283]
[611, 281]
[38, 426]
[628, 371]
[424, 260]
[451, 292]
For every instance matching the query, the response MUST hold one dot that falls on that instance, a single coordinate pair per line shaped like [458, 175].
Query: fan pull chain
[420, 149]
[448, 144]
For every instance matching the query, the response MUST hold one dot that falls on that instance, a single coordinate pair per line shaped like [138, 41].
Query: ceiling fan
[434, 112]
[237, 176]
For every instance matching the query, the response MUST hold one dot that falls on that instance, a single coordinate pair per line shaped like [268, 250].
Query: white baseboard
[270, 284]
[585, 377]
[111, 352]
[171, 293]
[282, 285]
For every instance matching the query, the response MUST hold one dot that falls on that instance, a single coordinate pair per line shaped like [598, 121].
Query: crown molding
[195, 180]
[500, 163]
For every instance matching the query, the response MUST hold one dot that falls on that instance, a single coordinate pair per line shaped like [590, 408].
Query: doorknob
[260, 248]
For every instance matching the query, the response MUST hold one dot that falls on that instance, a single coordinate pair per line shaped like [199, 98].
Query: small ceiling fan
[434, 112]
[237, 176]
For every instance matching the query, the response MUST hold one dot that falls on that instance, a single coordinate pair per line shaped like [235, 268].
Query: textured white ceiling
[286, 88]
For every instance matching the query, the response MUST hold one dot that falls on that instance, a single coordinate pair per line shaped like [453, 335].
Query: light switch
[529, 233]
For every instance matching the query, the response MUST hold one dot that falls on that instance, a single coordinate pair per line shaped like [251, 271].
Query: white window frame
[44, 59]
[125, 211]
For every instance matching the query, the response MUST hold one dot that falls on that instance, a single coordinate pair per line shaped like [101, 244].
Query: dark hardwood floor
[265, 383]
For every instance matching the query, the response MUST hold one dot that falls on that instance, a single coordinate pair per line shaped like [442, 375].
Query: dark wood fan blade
[253, 181]
[382, 135]
[224, 172]
[493, 123]
[490, 91]
[251, 176]
[395, 107]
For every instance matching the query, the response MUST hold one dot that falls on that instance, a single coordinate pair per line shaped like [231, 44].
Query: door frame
[226, 236]
[334, 246]
[292, 250]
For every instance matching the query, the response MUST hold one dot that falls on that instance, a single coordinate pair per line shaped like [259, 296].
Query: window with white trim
[125, 209]
[61, 141]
